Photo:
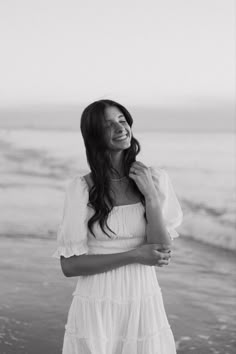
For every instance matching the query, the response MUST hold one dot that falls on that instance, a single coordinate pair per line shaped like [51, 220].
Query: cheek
[128, 127]
[130, 131]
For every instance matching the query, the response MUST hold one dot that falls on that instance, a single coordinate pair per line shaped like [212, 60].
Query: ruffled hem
[109, 300]
[93, 316]
[158, 342]
[123, 339]
[70, 251]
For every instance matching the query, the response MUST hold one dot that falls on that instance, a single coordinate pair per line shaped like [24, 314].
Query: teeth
[122, 137]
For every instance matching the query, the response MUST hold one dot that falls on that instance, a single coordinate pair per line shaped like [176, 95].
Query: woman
[118, 224]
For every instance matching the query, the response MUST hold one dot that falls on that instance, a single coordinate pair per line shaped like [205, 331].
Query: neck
[117, 163]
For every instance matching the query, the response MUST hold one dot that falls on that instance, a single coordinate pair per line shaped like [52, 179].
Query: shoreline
[187, 238]
[38, 164]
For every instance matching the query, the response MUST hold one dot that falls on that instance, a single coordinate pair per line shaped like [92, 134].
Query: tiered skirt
[118, 312]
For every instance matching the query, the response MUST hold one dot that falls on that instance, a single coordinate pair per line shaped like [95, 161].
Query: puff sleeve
[171, 209]
[72, 231]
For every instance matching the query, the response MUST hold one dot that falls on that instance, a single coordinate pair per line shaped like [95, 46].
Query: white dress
[119, 311]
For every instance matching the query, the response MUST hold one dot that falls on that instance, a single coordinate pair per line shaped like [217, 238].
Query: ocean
[36, 165]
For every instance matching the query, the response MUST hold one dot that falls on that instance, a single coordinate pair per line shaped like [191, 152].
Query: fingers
[162, 263]
[132, 175]
[161, 251]
[164, 250]
[135, 170]
[161, 247]
[162, 255]
[164, 260]
[165, 247]
[138, 166]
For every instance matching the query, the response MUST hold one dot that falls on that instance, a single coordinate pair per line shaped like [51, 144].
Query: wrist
[152, 197]
[134, 255]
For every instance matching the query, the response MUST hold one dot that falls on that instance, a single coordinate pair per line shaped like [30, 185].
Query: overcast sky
[151, 52]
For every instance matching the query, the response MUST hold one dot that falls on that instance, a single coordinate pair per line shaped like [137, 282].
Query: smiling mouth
[122, 137]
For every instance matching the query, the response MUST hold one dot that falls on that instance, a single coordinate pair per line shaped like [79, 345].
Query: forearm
[94, 264]
[156, 229]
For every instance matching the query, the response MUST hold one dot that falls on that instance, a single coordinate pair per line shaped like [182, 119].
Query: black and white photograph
[118, 177]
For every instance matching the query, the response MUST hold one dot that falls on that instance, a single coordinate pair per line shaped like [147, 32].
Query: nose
[119, 127]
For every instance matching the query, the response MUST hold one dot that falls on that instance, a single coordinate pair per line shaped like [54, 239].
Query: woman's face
[117, 131]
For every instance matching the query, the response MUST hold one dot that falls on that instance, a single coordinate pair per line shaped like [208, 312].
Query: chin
[125, 145]
[118, 147]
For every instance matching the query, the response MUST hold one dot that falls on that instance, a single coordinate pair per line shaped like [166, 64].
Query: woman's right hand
[153, 255]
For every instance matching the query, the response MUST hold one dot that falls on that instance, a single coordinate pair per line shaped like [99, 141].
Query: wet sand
[198, 289]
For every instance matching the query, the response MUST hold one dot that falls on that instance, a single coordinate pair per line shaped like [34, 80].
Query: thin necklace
[117, 179]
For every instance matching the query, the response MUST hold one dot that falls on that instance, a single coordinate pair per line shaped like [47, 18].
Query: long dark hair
[98, 158]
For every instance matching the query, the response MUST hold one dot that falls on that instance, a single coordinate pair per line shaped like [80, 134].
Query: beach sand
[198, 288]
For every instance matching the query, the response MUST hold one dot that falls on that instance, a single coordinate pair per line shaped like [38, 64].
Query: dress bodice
[129, 226]
[127, 221]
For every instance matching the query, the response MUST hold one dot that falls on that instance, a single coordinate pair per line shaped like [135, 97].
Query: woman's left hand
[141, 175]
